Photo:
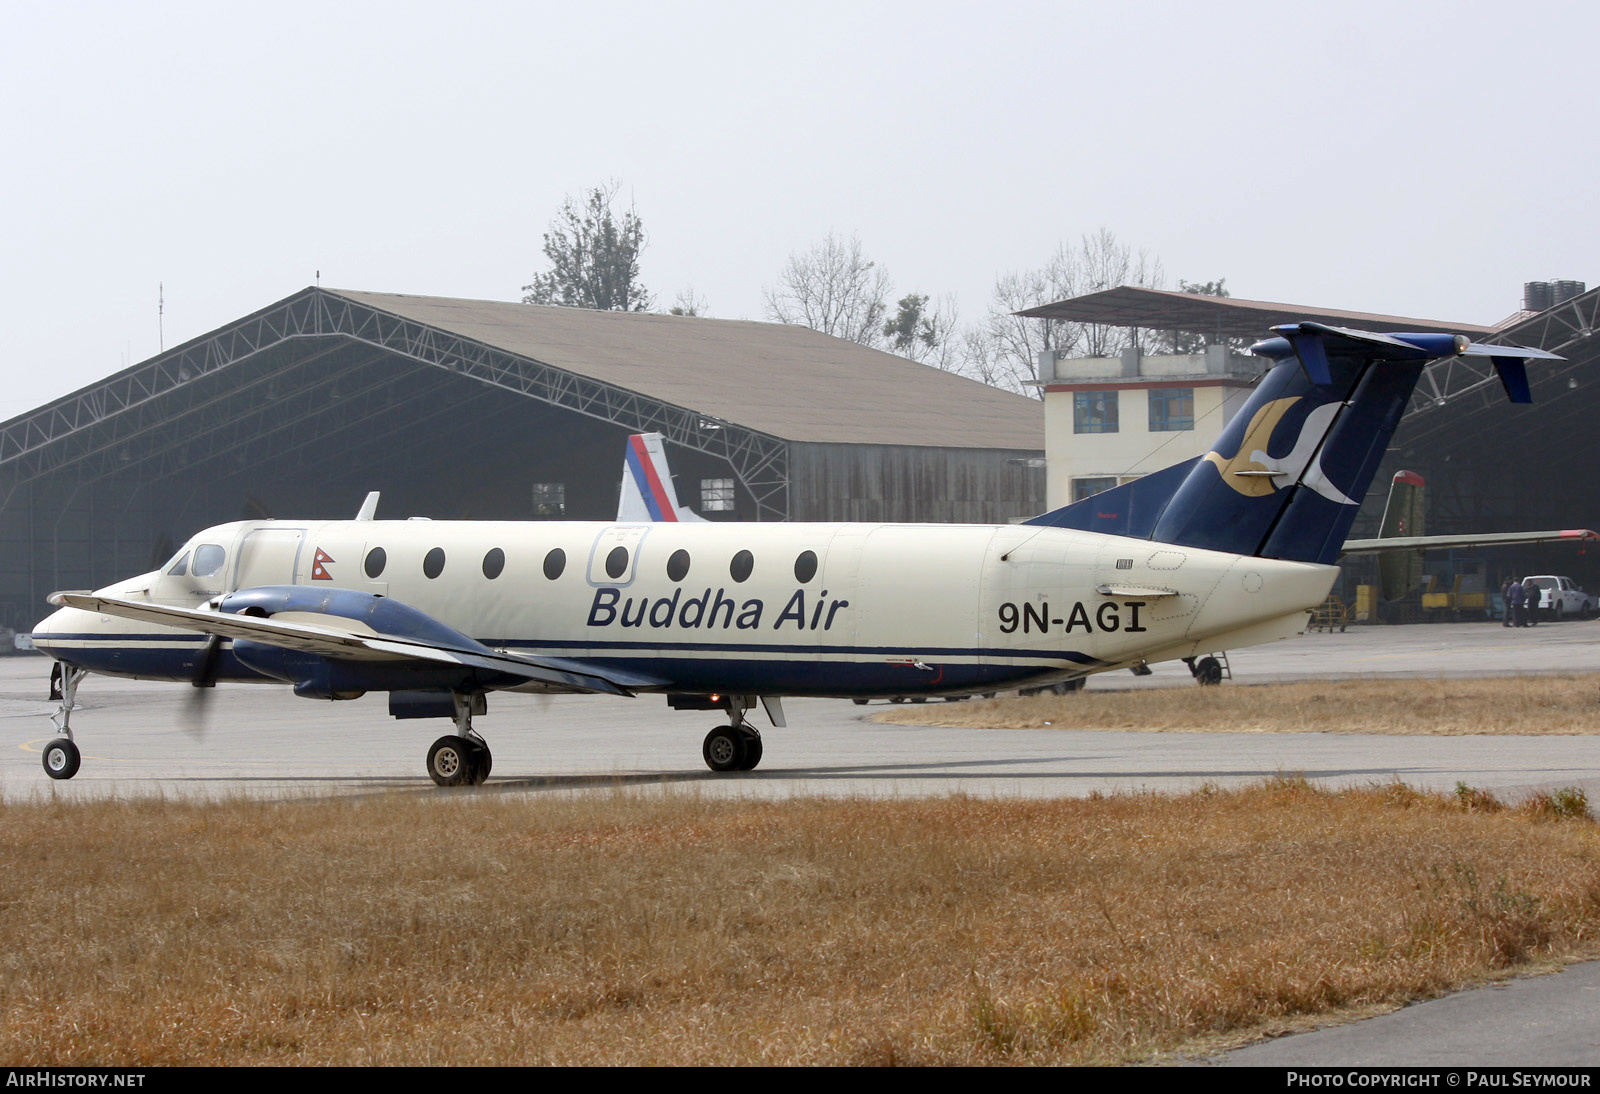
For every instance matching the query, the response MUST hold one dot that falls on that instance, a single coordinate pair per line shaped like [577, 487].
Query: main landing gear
[733, 747]
[462, 758]
[61, 757]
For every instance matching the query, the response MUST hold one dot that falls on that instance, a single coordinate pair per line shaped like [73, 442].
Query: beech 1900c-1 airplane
[1232, 549]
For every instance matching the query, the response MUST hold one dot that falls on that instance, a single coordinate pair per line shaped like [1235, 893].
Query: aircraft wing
[347, 642]
[1487, 539]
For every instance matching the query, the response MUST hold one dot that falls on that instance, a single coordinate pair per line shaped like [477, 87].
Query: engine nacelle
[317, 677]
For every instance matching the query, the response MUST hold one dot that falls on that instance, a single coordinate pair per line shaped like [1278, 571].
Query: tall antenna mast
[161, 311]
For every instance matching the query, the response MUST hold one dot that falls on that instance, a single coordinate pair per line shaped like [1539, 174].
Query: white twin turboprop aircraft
[1229, 550]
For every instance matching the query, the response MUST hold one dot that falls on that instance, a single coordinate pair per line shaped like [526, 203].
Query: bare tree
[832, 288]
[1005, 348]
[594, 256]
[689, 302]
[1101, 262]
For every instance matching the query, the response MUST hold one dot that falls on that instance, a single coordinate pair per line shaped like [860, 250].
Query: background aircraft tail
[647, 491]
[1401, 571]
[1289, 472]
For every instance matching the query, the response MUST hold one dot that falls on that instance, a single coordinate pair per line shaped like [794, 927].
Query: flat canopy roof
[1222, 316]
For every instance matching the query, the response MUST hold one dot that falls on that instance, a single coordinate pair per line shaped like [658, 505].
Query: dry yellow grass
[1553, 705]
[469, 928]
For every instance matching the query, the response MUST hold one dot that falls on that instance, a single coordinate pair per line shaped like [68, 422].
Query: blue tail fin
[1287, 476]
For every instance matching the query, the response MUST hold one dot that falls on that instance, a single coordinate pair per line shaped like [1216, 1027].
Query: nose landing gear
[61, 756]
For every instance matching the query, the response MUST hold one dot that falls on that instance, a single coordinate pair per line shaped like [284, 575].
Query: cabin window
[180, 567]
[805, 567]
[678, 565]
[208, 559]
[1094, 412]
[554, 563]
[493, 563]
[716, 495]
[433, 563]
[377, 559]
[742, 565]
[1171, 409]
[617, 562]
[549, 500]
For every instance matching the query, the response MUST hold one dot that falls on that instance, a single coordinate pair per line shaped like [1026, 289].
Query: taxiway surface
[147, 737]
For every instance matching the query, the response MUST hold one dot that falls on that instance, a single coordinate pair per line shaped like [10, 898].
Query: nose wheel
[61, 759]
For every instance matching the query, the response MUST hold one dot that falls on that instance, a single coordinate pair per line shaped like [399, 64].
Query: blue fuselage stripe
[771, 669]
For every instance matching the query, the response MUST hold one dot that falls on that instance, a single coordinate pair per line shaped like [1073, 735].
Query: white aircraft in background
[1230, 550]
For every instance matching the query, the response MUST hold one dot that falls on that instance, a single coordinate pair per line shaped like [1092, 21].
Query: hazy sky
[1415, 158]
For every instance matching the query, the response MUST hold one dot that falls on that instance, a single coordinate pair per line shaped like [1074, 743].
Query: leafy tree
[1186, 341]
[832, 288]
[594, 256]
[923, 333]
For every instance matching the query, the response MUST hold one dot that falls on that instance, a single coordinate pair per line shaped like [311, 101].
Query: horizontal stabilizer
[1313, 343]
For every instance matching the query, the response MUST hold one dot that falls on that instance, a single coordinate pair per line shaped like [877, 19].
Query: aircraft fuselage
[777, 609]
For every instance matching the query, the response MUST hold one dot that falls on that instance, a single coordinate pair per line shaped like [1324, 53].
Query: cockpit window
[180, 567]
[208, 559]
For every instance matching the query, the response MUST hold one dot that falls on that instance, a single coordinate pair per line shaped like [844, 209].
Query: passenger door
[269, 556]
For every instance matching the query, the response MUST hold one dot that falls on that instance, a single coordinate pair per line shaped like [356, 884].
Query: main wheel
[752, 748]
[1067, 687]
[61, 759]
[724, 749]
[451, 761]
[1208, 672]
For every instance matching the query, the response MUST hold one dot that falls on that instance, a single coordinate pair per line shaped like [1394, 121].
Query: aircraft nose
[54, 624]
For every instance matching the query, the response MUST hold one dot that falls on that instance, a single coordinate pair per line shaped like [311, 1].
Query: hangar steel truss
[1469, 383]
[95, 431]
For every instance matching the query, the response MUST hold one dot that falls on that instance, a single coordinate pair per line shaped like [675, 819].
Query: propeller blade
[204, 681]
[205, 666]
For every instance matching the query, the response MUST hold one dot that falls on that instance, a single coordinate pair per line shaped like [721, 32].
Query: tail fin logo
[1260, 474]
